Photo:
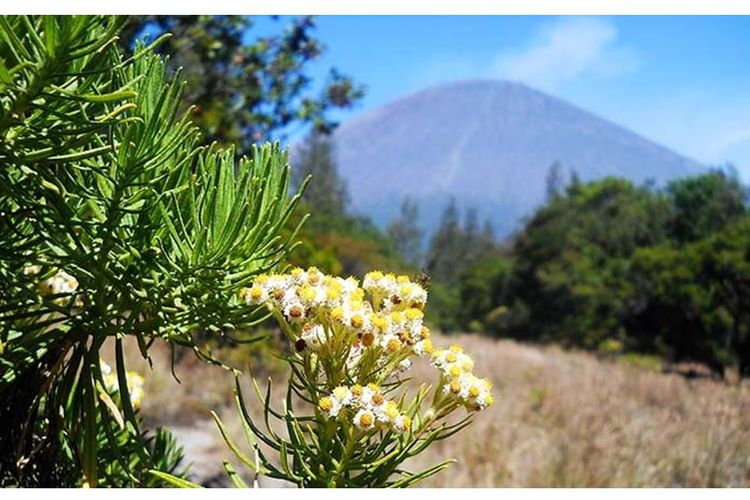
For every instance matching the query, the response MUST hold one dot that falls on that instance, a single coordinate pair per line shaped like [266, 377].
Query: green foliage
[704, 204]
[619, 268]
[569, 260]
[444, 307]
[645, 361]
[609, 347]
[318, 455]
[247, 87]
[120, 457]
[725, 264]
[482, 286]
[115, 223]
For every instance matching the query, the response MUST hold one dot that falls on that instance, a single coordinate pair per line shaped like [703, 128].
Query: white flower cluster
[386, 313]
[394, 292]
[377, 328]
[455, 367]
[366, 407]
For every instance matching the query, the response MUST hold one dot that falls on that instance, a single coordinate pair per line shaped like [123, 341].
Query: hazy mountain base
[561, 418]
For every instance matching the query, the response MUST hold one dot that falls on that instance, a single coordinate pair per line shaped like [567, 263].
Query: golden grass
[560, 419]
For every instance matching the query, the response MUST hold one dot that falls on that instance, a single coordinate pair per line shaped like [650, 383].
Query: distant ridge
[489, 144]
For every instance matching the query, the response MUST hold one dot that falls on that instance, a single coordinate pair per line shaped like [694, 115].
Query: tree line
[617, 267]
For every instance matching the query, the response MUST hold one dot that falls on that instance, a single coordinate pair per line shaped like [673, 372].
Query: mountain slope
[489, 144]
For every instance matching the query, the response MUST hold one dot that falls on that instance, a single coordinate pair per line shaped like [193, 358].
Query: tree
[704, 204]
[405, 233]
[471, 236]
[555, 182]
[671, 308]
[247, 88]
[115, 225]
[482, 289]
[326, 194]
[725, 265]
[570, 258]
[445, 257]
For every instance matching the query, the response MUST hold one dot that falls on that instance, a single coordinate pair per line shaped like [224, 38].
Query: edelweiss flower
[294, 312]
[364, 419]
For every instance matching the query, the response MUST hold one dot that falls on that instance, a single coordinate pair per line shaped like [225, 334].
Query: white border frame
[361, 7]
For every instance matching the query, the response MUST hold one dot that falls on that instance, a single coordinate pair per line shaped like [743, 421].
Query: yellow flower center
[357, 390]
[357, 321]
[325, 403]
[473, 391]
[366, 420]
[455, 387]
[378, 399]
[337, 313]
[379, 322]
[333, 294]
[393, 345]
[256, 292]
[307, 292]
[413, 314]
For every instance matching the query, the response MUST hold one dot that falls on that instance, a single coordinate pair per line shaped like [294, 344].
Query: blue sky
[681, 81]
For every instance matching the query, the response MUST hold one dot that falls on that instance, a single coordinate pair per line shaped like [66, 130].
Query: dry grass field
[560, 419]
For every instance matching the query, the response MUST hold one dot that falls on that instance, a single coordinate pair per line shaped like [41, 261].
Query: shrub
[114, 223]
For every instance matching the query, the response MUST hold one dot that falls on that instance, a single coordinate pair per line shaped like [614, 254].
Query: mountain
[489, 144]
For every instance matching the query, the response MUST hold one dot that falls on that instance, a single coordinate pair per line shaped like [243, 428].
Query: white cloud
[567, 49]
